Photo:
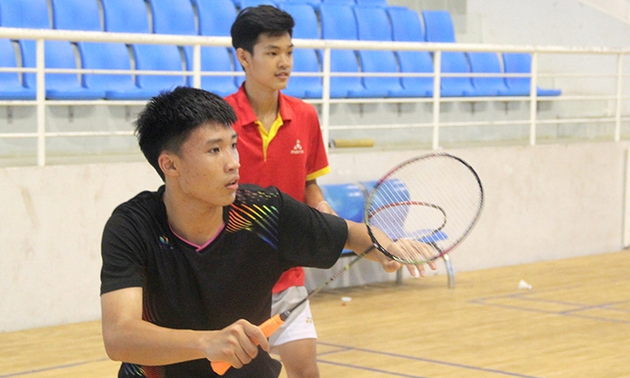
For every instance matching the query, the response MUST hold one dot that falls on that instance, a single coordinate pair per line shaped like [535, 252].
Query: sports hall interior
[534, 94]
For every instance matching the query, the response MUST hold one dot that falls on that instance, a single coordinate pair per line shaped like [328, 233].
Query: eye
[214, 150]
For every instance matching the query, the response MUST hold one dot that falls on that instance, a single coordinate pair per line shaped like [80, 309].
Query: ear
[168, 164]
[243, 57]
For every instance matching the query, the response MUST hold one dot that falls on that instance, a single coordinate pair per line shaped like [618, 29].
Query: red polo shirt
[289, 155]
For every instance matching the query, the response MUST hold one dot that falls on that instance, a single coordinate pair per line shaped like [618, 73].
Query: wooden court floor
[574, 322]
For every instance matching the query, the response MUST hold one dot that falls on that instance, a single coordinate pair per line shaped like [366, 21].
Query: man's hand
[413, 250]
[237, 344]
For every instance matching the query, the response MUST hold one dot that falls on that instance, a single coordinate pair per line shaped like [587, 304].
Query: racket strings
[434, 199]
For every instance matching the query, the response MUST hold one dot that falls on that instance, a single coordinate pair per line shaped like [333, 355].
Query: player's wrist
[323, 205]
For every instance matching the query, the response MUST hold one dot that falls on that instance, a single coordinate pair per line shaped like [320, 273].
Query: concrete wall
[51, 219]
[542, 203]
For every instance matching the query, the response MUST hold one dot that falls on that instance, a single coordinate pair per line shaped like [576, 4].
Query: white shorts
[300, 324]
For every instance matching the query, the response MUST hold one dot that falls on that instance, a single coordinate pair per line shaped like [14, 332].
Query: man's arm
[131, 339]
[359, 240]
[314, 197]
[358, 236]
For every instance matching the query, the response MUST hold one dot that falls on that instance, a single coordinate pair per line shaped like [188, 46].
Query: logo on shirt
[297, 149]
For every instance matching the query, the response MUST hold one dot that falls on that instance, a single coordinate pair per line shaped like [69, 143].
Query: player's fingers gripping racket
[421, 210]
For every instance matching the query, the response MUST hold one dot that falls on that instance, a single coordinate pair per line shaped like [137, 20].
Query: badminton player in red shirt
[280, 144]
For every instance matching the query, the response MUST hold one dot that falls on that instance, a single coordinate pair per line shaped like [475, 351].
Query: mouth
[283, 75]
[233, 184]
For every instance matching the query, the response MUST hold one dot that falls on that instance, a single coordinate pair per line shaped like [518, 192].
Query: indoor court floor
[574, 322]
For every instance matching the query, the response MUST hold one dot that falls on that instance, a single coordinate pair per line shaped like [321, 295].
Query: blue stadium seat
[388, 218]
[241, 4]
[348, 200]
[173, 17]
[377, 3]
[217, 59]
[32, 14]
[313, 3]
[10, 86]
[59, 86]
[125, 16]
[85, 15]
[76, 15]
[130, 16]
[406, 27]
[306, 23]
[338, 22]
[396, 192]
[304, 60]
[416, 62]
[373, 25]
[339, 2]
[456, 62]
[439, 28]
[488, 62]
[522, 63]
[215, 19]
[158, 58]
[111, 56]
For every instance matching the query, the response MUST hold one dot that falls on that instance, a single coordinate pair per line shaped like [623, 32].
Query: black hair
[251, 22]
[169, 118]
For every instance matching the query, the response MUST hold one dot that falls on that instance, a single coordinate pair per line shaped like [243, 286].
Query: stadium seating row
[327, 19]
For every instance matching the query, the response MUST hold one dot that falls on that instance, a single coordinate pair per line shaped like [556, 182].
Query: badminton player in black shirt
[188, 269]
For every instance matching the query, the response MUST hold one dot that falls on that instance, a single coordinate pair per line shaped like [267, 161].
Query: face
[207, 165]
[271, 63]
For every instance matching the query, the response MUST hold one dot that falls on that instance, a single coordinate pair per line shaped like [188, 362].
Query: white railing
[615, 96]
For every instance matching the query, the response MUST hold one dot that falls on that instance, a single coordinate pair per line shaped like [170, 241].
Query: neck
[263, 101]
[190, 219]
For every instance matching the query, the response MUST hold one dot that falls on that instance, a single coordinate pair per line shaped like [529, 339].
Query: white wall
[543, 22]
[544, 202]
[51, 219]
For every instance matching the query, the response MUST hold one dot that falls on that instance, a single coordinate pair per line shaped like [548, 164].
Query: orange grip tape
[270, 326]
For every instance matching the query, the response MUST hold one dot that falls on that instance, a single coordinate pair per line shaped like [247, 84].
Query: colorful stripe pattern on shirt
[259, 219]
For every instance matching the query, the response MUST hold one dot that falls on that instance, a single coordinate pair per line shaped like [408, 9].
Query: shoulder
[296, 110]
[256, 195]
[297, 105]
[231, 99]
[145, 208]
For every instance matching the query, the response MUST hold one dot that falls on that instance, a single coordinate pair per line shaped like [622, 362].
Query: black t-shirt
[266, 232]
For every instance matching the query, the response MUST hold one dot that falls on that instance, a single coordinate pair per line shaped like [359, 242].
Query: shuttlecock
[522, 285]
[345, 300]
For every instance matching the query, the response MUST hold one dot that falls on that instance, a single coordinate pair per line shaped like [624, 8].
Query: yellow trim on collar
[267, 137]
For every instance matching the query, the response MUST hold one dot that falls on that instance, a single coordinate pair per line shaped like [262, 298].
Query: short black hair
[251, 22]
[169, 118]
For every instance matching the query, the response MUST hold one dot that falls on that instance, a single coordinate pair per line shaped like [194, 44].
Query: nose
[233, 162]
[286, 60]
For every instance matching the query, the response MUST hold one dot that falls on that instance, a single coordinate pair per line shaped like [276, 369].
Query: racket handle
[270, 326]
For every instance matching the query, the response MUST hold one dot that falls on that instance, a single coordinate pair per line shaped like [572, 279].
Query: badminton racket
[423, 208]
